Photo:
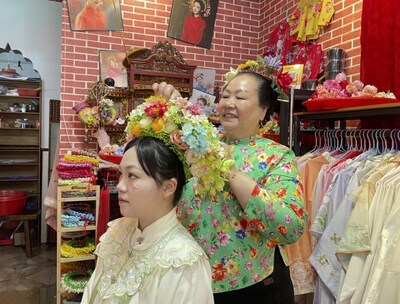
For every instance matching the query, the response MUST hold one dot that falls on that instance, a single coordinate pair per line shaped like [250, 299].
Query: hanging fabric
[309, 17]
[279, 44]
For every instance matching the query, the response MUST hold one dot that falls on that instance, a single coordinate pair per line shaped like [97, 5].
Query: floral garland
[268, 66]
[74, 266]
[81, 158]
[76, 281]
[191, 137]
[77, 248]
[77, 182]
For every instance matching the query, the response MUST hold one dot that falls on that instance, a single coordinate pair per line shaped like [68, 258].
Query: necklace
[240, 141]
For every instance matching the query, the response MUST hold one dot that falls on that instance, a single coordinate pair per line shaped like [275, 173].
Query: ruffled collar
[128, 263]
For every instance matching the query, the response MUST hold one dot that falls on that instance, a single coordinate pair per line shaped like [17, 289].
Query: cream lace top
[162, 264]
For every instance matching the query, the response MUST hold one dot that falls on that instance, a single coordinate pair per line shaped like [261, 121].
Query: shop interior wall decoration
[95, 15]
[193, 21]
[111, 67]
[13, 65]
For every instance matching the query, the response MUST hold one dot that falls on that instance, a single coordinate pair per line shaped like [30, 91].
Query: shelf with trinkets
[77, 220]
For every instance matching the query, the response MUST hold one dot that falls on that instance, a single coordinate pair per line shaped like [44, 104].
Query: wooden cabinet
[160, 63]
[75, 262]
[20, 155]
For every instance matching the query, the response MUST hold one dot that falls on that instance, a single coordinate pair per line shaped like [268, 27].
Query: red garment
[309, 54]
[104, 212]
[279, 43]
[90, 18]
[193, 29]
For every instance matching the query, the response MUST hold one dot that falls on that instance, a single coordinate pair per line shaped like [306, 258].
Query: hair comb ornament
[269, 67]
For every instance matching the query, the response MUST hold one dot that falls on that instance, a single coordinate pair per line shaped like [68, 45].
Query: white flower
[145, 123]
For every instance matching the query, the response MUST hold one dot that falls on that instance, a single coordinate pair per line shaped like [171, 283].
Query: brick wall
[240, 32]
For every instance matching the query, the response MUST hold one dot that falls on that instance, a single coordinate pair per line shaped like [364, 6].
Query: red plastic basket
[12, 202]
[116, 159]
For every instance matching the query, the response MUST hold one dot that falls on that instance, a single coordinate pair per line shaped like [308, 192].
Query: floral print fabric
[309, 17]
[241, 242]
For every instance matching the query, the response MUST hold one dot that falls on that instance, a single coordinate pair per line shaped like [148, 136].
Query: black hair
[203, 100]
[159, 162]
[202, 5]
[268, 97]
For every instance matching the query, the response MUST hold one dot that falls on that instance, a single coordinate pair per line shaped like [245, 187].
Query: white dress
[162, 264]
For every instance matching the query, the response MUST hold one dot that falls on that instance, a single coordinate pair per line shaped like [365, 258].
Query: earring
[261, 124]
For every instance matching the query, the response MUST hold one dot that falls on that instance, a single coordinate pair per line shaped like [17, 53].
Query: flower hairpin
[269, 67]
[188, 134]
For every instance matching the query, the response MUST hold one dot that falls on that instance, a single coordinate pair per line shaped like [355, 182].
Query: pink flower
[176, 139]
[340, 77]
[195, 109]
[334, 92]
[351, 88]
[369, 90]
[331, 84]
[358, 84]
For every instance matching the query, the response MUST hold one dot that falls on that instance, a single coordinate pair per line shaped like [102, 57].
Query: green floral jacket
[241, 243]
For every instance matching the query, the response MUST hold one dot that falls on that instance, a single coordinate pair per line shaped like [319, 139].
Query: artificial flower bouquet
[340, 93]
[189, 134]
[341, 87]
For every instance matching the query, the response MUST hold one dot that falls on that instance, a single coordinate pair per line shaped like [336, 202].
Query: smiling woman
[244, 227]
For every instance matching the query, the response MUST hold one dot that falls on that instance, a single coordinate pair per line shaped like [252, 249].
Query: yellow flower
[248, 64]
[158, 124]
[136, 130]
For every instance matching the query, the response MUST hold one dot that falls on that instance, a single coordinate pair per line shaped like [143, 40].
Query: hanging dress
[309, 17]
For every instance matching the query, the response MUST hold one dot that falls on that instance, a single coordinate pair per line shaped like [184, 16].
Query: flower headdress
[190, 136]
[268, 66]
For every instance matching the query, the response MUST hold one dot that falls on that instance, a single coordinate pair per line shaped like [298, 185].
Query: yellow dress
[309, 17]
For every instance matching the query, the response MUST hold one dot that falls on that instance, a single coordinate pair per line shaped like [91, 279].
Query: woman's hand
[165, 90]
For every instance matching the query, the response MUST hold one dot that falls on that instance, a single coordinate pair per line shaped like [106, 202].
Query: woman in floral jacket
[244, 228]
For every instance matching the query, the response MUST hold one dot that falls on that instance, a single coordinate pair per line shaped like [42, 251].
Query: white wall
[34, 28]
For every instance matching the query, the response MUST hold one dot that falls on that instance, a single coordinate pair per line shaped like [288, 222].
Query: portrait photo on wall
[204, 80]
[192, 21]
[111, 67]
[205, 103]
[95, 15]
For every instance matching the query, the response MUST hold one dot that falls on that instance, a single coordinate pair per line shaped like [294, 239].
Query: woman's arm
[271, 196]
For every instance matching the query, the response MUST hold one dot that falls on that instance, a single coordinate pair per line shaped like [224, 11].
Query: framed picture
[95, 15]
[205, 101]
[296, 72]
[204, 80]
[111, 67]
[192, 21]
